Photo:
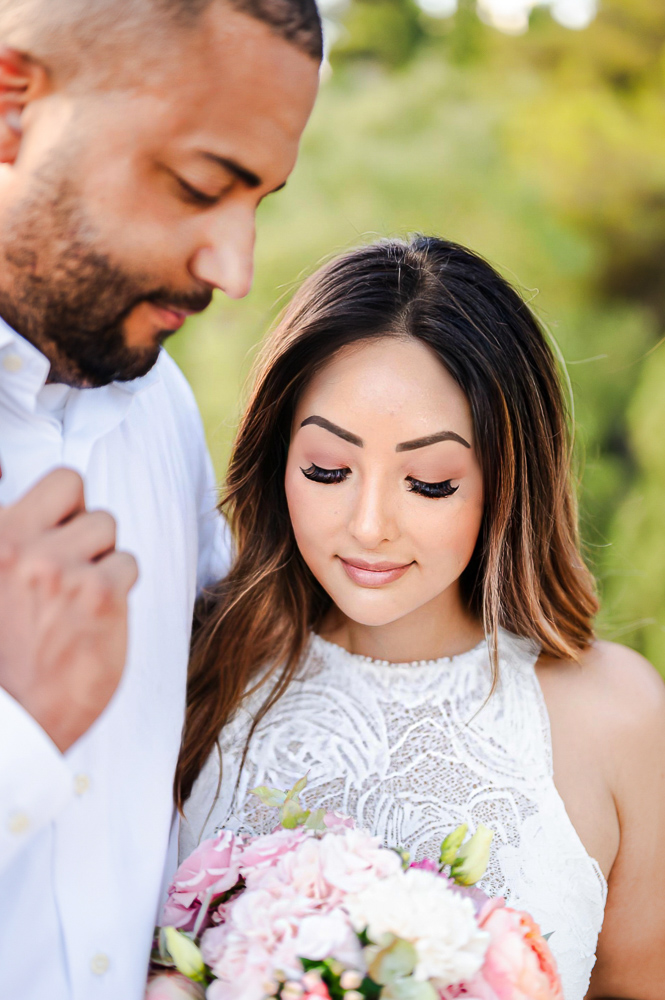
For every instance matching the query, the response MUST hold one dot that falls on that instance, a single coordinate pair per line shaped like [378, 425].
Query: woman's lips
[373, 574]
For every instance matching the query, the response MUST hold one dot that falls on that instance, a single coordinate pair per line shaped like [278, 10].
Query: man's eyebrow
[334, 429]
[431, 439]
[243, 174]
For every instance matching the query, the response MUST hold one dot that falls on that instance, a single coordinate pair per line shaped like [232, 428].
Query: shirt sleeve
[215, 545]
[35, 780]
[215, 542]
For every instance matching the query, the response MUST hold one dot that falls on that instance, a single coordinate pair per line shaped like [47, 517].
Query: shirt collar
[24, 370]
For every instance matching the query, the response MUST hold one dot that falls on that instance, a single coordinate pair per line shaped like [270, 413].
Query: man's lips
[374, 574]
[170, 318]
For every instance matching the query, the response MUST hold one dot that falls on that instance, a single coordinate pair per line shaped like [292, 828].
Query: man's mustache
[187, 302]
[164, 298]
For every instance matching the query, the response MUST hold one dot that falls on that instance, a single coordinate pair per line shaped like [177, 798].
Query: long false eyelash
[318, 475]
[436, 491]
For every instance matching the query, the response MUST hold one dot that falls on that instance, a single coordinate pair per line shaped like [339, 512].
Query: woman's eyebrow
[334, 429]
[431, 439]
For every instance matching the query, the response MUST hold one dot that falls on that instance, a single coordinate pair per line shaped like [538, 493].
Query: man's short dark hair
[296, 21]
[79, 37]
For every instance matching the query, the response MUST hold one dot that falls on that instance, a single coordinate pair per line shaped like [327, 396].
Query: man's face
[126, 207]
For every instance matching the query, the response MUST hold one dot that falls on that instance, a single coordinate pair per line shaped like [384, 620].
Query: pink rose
[328, 935]
[324, 869]
[353, 859]
[519, 964]
[264, 852]
[336, 822]
[258, 936]
[315, 988]
[173, 986]
[214, 865]
[427, 865]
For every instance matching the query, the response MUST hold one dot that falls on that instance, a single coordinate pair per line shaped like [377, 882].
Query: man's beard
[69, 299]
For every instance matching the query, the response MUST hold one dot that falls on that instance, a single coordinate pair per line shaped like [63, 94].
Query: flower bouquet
[319, 910]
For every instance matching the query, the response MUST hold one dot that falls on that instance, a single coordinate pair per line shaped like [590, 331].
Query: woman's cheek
[447, 537]
[309, 512]
[466, 529]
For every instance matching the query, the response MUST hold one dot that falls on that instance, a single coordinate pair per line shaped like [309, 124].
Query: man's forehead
[242, 90]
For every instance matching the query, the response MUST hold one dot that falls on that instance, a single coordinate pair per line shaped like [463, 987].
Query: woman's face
[382, 480]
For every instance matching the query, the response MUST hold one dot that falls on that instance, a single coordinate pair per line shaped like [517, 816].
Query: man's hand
[63, 606]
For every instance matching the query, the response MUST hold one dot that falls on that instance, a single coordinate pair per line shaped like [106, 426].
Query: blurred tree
[636, 581]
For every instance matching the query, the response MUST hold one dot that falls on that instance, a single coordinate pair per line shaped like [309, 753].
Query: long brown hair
[526, 574]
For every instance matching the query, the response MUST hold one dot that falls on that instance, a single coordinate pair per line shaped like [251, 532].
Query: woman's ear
[21, 81]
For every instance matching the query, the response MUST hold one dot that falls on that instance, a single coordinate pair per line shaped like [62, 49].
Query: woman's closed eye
[436, 491]
[319, 475]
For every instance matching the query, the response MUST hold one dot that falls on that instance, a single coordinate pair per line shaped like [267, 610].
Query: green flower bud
[452, 844]
[473, 857]
[185, 954]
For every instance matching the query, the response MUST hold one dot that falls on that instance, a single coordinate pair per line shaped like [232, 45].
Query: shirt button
[18, 823]
[12, 363]
[81, 784]
[99, 964]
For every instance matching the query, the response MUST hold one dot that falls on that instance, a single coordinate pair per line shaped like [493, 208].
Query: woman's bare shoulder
[621, 712]
[607, 720]
[614, 687]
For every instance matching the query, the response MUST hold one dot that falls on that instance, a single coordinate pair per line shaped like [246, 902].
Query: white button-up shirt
[84, 836]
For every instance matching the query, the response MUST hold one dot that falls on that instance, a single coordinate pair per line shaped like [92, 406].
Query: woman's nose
[373, 517]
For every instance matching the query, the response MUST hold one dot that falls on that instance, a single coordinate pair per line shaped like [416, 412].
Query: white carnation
[419, 907]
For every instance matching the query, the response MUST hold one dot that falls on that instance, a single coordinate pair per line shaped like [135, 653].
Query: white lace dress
[410, 751]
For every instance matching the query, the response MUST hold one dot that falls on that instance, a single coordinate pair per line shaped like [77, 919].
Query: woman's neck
[443, 627]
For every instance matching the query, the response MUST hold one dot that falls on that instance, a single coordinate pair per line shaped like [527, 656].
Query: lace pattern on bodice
[410, 751]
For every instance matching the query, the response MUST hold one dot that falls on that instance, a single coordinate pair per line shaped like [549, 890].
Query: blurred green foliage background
[546, 153]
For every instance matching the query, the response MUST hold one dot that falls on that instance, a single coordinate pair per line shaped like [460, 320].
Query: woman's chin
[373, 610]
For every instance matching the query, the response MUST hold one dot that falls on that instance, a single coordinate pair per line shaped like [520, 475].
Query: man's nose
[225, 258]
[373, 519]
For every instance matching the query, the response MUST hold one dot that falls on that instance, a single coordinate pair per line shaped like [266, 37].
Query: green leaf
[408, 989]
[315, 820]
[403, 855]
[394, 962]
[270, 797]
[299, 786]
[292, 814]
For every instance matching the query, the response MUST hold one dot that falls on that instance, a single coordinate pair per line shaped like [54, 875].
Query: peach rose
[519, 964]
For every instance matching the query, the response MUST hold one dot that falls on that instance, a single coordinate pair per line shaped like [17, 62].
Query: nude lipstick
[373, 574]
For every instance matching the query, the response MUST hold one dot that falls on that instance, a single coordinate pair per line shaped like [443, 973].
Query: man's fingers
[113, 577]
[56, 498]
[101, 587]
[84, 538]
[121, 570]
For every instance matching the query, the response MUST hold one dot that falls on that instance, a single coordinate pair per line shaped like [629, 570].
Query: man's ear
[21, 81]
